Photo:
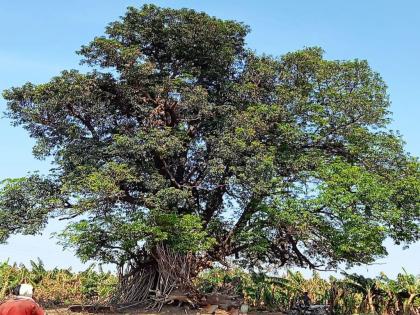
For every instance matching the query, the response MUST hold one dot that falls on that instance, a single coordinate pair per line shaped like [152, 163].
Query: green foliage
[32, 193]
[347, 296]
[185, 233]
[262, 291]
[181, 135]
[58, 286]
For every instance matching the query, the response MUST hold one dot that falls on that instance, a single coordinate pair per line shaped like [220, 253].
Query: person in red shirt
[22, 303]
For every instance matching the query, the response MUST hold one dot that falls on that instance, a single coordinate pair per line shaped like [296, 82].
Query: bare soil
[166, 310]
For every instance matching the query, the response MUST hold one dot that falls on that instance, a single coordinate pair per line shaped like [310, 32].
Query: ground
[167, 310]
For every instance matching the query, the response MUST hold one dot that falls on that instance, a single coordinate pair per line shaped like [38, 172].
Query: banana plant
[408, 288]
[368, 287]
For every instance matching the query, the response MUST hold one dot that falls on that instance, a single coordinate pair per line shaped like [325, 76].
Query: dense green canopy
[182, 135]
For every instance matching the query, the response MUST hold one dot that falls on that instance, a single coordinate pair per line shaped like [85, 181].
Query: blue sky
[38, 40]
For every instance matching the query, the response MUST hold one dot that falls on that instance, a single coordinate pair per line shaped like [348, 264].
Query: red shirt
[21, 307]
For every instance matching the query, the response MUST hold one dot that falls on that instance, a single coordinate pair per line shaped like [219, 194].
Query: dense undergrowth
[353, 294]
[58, 286]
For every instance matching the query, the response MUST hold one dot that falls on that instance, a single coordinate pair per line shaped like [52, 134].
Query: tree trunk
[369, 298]
[153, 284]
[407, 303]
[134, 285]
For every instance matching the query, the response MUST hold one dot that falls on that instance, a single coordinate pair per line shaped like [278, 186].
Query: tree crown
[182, 135]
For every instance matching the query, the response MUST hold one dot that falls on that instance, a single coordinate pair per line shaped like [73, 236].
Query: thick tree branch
[165, 171]
[86, 121]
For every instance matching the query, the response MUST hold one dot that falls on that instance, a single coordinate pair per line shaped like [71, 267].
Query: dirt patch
[139, 311]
